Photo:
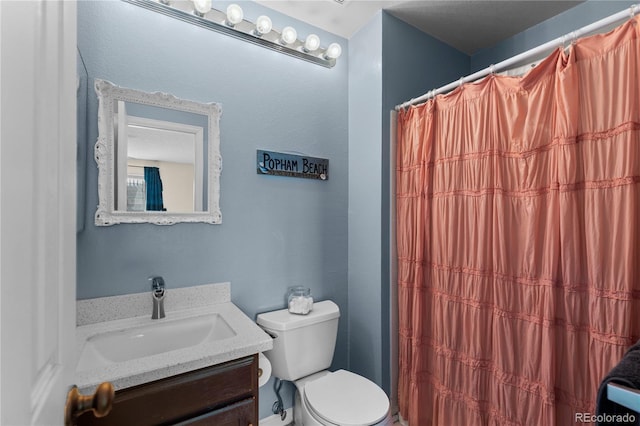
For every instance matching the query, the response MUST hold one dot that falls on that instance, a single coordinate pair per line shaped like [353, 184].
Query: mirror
[158, 158]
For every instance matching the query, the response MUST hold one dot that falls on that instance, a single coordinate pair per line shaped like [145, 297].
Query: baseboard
[276, 421]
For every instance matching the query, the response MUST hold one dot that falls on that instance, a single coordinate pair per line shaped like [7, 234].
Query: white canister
[299, 300]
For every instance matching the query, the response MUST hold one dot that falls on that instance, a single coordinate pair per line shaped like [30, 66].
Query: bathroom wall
[405, 74]
[276, 231]
[389, 62]
[575, 18]
[365, 140]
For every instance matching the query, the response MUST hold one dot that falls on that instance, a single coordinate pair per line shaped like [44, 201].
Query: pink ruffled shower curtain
[518, 234]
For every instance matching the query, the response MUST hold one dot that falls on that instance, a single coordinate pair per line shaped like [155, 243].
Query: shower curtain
[518, 238]
[153, 184]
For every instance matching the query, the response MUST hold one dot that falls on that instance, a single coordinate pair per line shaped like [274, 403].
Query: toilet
[302, 352]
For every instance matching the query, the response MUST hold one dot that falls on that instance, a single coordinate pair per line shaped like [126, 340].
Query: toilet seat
[346, 399]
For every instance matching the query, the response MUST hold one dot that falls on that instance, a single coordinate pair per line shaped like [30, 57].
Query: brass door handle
[100, 403]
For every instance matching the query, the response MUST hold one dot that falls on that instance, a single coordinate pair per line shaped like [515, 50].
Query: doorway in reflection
[174, 149]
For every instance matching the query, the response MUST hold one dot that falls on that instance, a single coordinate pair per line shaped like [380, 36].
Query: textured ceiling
[466, 25]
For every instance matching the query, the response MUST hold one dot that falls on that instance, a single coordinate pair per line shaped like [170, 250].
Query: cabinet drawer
[187, 395]
[238, 414]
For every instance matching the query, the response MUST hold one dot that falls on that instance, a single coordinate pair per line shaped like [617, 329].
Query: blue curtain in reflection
[154, 189]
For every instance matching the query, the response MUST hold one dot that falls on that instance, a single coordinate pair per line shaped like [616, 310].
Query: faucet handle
[157, 294]
[157, 284]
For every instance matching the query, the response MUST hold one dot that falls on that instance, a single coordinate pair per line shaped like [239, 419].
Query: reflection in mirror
[174, 147]
[158, 158]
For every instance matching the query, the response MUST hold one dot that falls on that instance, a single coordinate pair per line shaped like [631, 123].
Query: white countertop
[249, 338]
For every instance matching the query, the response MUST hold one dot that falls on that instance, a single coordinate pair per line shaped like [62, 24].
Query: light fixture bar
[244, 30]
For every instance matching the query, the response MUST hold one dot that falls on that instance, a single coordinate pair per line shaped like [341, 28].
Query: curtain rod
[624, 14]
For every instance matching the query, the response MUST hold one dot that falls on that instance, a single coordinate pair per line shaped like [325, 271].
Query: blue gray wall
[384, 70]
[365, 142]
[276, 231]
[405, 75]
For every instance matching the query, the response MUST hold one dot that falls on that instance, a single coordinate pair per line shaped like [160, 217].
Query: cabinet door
[238, 414]
[170, 400]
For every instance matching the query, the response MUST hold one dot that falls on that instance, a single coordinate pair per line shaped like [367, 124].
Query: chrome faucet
[157, 295]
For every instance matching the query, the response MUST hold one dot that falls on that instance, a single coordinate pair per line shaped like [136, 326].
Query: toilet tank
[302, 344]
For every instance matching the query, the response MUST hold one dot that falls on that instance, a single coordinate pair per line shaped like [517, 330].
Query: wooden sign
[280, 164]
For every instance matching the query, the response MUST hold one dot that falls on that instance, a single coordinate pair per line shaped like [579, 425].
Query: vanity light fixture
[232, 23]
[263, 25]
[289, 36]
[202, 7]
[311, 43]
[234, 15]
[333, 51]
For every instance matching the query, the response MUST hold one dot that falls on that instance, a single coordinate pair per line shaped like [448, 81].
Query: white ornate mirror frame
[105, 156]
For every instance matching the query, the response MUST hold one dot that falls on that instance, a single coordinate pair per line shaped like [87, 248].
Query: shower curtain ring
[492, 69]
[574, 37]
[461, 82]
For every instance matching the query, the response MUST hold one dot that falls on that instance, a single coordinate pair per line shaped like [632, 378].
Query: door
[37, 209]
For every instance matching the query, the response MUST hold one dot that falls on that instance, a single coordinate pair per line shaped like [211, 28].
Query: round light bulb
[289, 35]
[333, 51]
[263, 24]
[234, 14]
[311, 43]
[202, 6]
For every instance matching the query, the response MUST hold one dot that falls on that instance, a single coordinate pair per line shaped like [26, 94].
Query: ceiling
[467, 25]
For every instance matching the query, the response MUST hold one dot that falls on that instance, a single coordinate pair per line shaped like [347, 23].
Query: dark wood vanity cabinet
[221, 395]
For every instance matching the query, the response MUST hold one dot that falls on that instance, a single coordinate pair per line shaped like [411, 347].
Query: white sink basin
[159, 336]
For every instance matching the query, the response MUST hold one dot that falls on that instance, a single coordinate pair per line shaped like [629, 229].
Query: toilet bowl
[340, 398]
[302, 352]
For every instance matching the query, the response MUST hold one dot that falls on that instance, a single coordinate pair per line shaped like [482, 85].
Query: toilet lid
[346, 399]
